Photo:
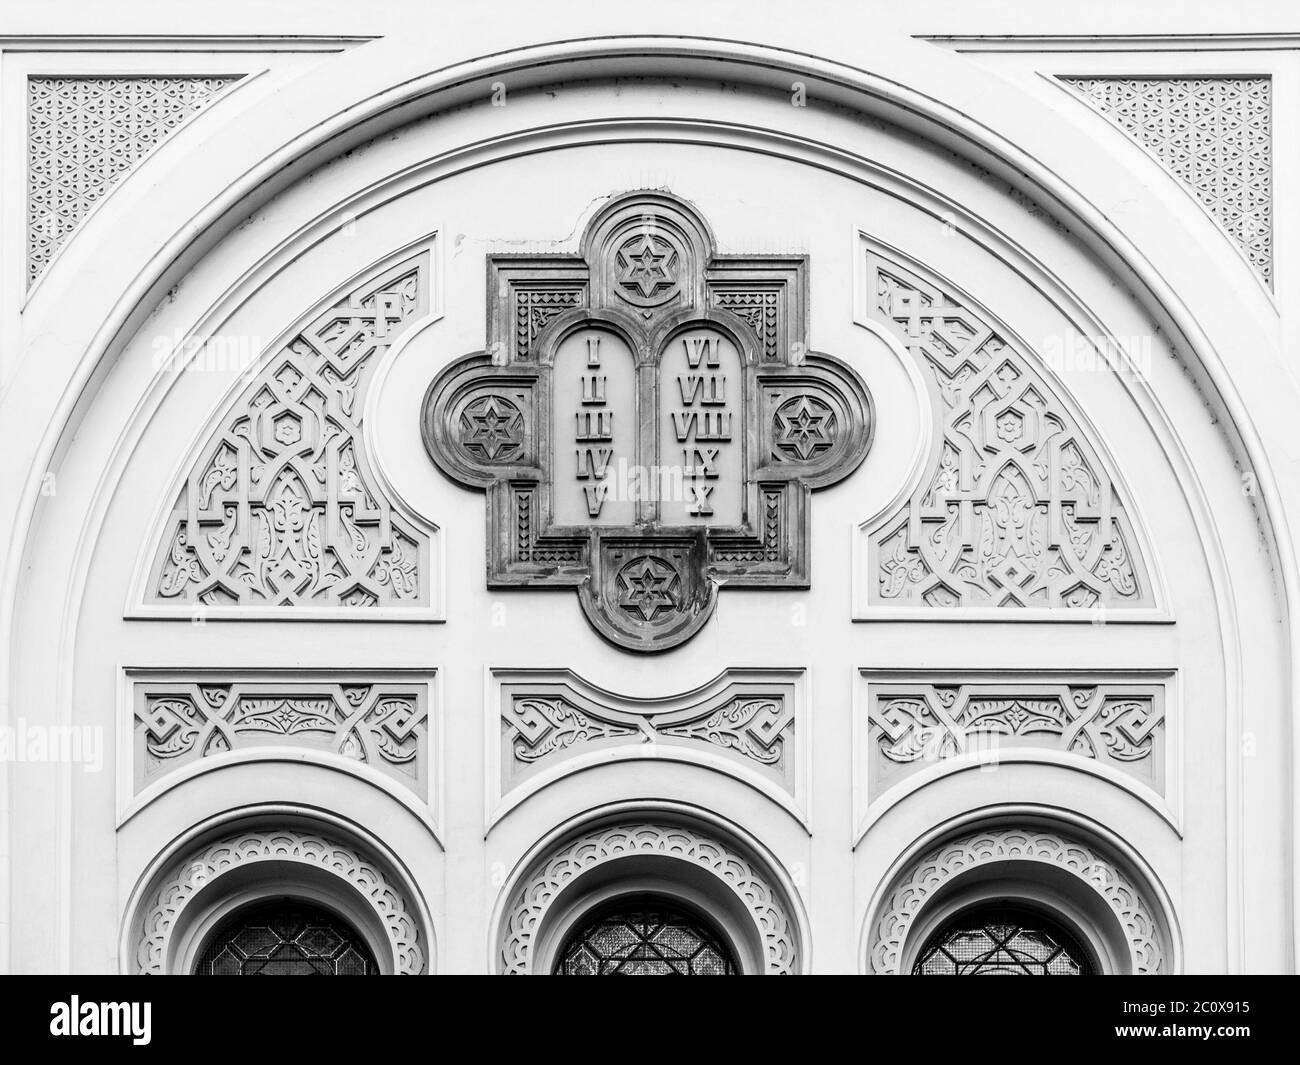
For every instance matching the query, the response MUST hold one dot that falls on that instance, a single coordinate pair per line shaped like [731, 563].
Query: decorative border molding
[414, 779]
[540, 888]
[208, 864]
[933, 745]
[1116, 42]
[257, 44]
[543, 725]
[910, 894]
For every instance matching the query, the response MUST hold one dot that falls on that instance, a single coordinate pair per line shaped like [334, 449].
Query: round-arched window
[285, 937]
[645, 937]
[1003, 941]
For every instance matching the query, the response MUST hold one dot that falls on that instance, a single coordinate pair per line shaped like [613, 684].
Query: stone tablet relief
[594, 414]
[701, 427]
[651, 425]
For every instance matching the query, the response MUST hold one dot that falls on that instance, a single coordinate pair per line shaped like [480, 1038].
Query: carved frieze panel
[551, 722]
[917, 723]
[282, 510]
[647, 423]
[1214, 134]
[1016, 508]
[84, 134]
[180, 722]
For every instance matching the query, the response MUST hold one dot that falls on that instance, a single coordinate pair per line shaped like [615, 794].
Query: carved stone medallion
[647, 421]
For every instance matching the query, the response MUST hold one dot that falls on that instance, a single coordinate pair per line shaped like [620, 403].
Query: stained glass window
[645, 937]
[285, 938]
[1003, 942]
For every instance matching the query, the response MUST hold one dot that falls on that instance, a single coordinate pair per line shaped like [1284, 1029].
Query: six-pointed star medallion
[492, 426]
[645, 269]
[646, 586]
[804, 427]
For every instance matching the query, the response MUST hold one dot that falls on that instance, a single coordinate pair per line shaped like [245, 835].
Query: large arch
[389, 83]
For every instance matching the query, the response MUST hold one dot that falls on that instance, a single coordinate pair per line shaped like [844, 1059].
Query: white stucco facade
[1044, 651]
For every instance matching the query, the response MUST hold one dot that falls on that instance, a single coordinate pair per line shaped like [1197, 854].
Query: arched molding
[1059, 864]
[889, 93]
[244, 857]
[648, 849]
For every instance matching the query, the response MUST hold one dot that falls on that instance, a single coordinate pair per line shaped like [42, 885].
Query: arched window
[645, 937]
[1003, 941]
[285, 937]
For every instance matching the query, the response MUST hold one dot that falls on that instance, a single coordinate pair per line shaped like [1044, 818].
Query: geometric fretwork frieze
[1214, 134]
[1015, 508]
[282, 509]
[551, 717]
[916, 724]
[647, 422]
[378, 723]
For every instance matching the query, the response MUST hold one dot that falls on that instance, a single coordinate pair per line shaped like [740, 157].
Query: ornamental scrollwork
[380, 724]
[915, 723]
[746, 717]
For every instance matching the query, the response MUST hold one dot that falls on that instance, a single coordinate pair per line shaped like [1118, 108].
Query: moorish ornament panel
[282, 511]
[1214, 134]
[1016, 508]
[551, 720]
[85, 132]
[647, 422]
[378, 721]
[919, 721]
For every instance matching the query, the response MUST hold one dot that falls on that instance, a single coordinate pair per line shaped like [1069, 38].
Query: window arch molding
[683, 856]
[253, 884]
[240, 860]
[1076, 873]
[1045, 891]
[1048, 920]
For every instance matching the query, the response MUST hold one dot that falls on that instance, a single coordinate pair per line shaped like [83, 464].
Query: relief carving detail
[1016, 508]
[282, 510]
[379, 724]
[647, 422]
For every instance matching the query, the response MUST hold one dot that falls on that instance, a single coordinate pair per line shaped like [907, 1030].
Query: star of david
[492, 428]
[646, 270]
[647, 589]
[587, 356]
[804, 429]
